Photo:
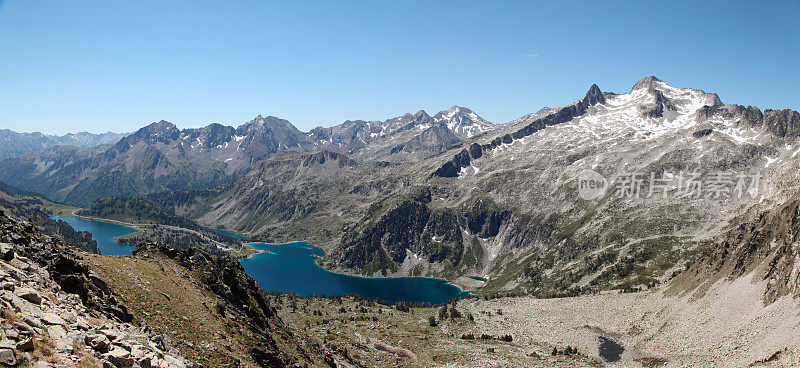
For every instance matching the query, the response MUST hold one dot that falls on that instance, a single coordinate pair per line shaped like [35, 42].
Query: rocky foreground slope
[58, 313]
[62, 307]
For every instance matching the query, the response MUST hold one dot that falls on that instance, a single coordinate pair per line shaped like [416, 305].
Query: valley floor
[727, 327]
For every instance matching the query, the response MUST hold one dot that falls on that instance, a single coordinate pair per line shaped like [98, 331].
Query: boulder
[97, 341]
[29, 294]
[22, 327]
[53, 319]
[111, 334]
[6, 252]
[32, 321]
[57, 332]
[26, 345]
[20, 264]
[120, 357]
[174, 362]
[8, 357]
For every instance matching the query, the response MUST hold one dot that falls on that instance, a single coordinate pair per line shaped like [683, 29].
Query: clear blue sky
[109, 65]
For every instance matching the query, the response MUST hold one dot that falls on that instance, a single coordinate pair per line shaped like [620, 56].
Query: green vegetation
[135, 210]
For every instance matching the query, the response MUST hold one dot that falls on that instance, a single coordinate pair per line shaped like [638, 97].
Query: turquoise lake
[104, 234]
[292, 268]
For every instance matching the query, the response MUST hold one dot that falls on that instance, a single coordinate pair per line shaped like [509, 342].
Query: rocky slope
[62, 307]
[58, 313]
[289, 194]
[30, 206]
[511, 197]
[764, 245]
[211, 309]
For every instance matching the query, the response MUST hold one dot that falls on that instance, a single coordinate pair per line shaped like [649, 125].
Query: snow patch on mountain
[464, 122]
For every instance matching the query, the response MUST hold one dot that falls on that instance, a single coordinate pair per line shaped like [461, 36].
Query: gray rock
[53, 319]
[111, 334]
[120, 357]
[25, 345]
[57, 332]
[97, 341]
[18, 263]
[6, 251]
[8, 357]
[70, 317]
[174, 362]
[29, 294]
[22, 327]
[32, 321]
[12, 335]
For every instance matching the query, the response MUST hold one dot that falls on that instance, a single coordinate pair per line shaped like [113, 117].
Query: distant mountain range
[161, 157]
[452, 195]
[505, 205]
[13, 144]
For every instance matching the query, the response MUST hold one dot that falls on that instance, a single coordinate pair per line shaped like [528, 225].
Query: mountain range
[656, 210]
[161, 157]
[13, 144]
[453, 196]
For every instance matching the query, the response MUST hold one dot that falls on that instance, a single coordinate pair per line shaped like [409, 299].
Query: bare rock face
[28, 294]
[58, 311]
[8, 357]
[463, 159]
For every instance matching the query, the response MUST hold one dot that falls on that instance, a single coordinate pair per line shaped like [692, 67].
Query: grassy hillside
[201, 314]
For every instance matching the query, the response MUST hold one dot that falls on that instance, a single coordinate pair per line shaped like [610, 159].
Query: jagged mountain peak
[458, 110]
[594, 96]
[647, 82]
[464, 122]
[161, 125]
[158, 131]
[421, 114]
[269, 123]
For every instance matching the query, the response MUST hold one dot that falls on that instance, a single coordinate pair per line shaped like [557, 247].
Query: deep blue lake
[104, 234]
[292, 268]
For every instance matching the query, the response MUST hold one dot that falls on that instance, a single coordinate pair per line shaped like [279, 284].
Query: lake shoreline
[304, 263]
[304, 258]
[338, 271]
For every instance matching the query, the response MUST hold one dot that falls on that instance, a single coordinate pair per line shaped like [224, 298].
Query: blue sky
[108, 65]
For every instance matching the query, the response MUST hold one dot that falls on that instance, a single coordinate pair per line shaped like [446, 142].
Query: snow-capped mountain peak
[464, 122]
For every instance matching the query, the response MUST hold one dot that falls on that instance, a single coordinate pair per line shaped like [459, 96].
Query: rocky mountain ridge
[15, 144]
[161, 157]
[505, 206]
[413, 198]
